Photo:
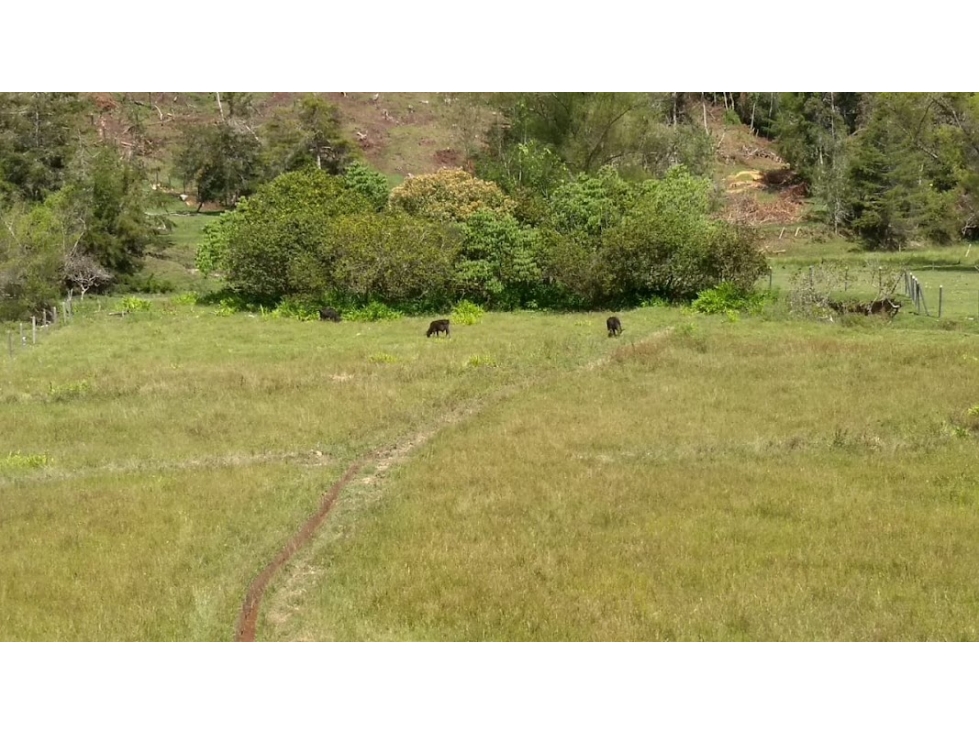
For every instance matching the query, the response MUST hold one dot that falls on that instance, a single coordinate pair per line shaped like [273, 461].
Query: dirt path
[383, 459]
[247, 621]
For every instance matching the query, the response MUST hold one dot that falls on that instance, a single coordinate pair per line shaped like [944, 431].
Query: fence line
[17, 339]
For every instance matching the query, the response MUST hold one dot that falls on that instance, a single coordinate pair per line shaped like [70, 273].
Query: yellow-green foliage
[17, 460]
[449, 195]
[467, 313]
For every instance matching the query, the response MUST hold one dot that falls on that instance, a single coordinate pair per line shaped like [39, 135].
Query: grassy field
[719, 478]
[151, 465]
[728, 481]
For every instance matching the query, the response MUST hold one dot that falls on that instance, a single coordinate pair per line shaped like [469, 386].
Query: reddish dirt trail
[248, 620]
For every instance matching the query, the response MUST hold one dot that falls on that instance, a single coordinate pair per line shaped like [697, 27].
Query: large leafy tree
[268, 247]
[220, 161]
[498, 264]
[657, 238]
[449, 195]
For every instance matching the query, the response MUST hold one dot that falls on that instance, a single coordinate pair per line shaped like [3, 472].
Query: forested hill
[884, 170]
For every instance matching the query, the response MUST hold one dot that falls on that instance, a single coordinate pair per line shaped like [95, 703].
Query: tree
[498, 264]
[589, 130]
[449, 195]
[391, 257]
[34, 240]
[38, 138]
[221, 162]
[811, 133]
[269, 247]
[370, 183]
[107, 195]
[309, 135]
[897, 190]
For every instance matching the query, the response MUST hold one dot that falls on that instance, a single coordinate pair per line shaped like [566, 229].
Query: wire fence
[27, 334]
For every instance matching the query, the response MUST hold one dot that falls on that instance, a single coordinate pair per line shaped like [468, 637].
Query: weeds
[69, 391]
[467, 313]
[18, 460]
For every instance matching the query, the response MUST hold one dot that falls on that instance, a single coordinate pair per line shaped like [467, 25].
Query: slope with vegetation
[94, 186]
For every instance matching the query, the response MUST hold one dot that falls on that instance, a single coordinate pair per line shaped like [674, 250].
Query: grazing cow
[437, 327]
[329, 314]
[614, 326]
[884, 306]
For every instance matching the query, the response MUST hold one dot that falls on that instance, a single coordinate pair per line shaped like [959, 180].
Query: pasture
[717, 478]
[151, 465]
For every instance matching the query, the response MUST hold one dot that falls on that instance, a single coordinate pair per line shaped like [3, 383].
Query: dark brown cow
[614, 326]
[329, 314]
[437, 327]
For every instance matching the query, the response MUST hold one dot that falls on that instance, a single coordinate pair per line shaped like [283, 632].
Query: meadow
[752, 477]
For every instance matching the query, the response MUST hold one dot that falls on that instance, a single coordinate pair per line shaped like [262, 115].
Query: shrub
[296, 308]
[273, 245]
[449, 195]
[373, 311]
[144, 283]
[369, 183]
[132, 303]
[727, 298]
[388, 257]
[69, 391]
[467, 313]
[499, 263]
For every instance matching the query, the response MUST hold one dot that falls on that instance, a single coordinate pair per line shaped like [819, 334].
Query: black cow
[437, 327]
[328, 314]
[614, 326]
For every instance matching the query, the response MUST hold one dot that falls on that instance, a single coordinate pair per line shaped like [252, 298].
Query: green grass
[181, 450]
[757, 480]
[698, 478]
[171, 256]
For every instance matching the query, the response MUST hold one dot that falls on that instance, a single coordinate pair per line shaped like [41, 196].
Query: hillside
[402, 133]
[410, 133]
